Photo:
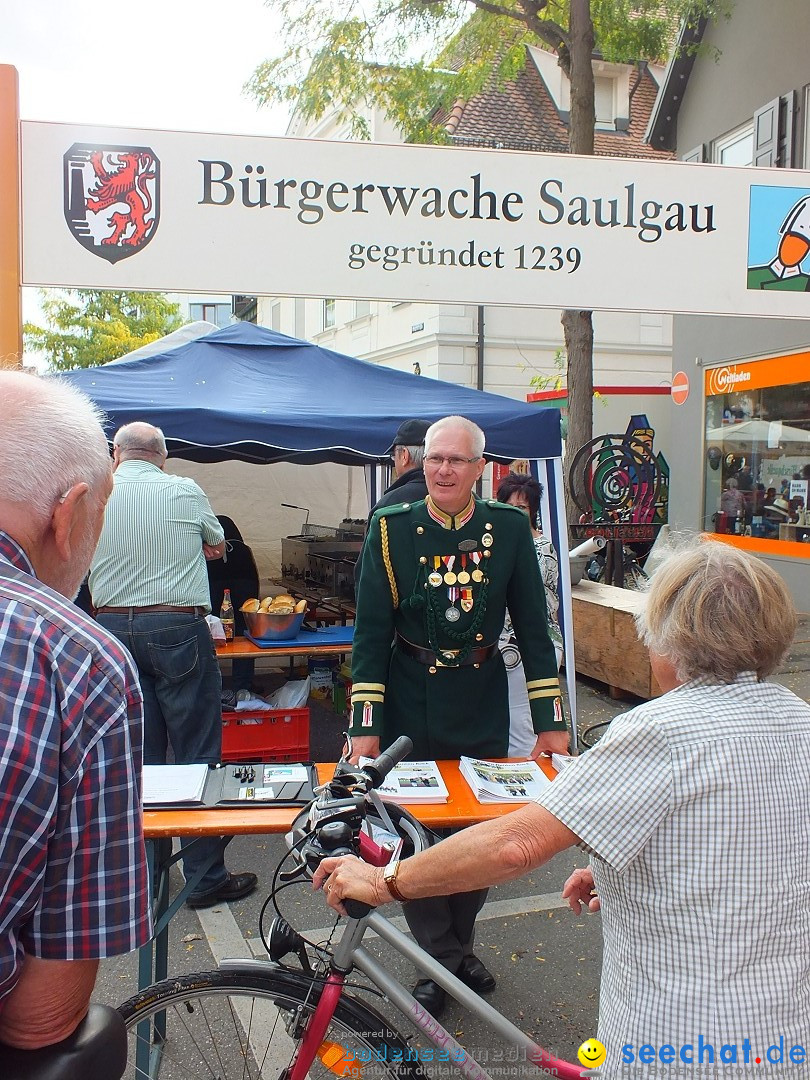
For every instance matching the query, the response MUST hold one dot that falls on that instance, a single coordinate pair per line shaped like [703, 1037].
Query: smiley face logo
[592, 1053]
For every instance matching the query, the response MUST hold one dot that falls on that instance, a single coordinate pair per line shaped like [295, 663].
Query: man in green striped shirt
[150, 588]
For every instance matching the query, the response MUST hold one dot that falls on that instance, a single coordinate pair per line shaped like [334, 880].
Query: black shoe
[430, 996]
[475, 975]
[234, 887]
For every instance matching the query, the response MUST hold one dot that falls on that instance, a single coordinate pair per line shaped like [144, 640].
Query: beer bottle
[226, 616]
[739, 526]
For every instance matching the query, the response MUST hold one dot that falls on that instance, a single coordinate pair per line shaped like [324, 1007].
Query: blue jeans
[182, 686]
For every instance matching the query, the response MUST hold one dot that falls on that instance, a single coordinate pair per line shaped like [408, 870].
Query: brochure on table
[259, 784]
[503, 781]
[412, 782]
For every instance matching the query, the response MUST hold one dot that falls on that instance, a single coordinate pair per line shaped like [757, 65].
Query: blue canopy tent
[253, 394]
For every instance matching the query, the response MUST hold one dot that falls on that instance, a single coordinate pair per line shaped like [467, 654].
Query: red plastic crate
[282, 735]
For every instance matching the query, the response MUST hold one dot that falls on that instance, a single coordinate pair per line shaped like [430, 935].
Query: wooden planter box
[605, 640]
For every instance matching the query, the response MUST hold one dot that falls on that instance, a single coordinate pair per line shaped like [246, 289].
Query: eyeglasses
[436, 461]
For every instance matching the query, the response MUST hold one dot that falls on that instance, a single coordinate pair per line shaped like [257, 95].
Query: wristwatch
[390, 879]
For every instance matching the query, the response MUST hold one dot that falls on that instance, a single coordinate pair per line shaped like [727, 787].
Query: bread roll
[301, 606]
[251, 605]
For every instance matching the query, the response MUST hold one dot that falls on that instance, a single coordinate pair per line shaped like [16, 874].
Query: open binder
[259, 784]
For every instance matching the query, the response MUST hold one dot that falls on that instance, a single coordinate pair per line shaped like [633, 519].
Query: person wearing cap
[408, 452]
[436, 579]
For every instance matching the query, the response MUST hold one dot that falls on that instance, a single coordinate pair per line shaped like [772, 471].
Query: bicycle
[633, 574]
[263, 1018]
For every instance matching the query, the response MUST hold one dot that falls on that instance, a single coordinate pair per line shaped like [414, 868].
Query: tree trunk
[578, 329]
[578, 325]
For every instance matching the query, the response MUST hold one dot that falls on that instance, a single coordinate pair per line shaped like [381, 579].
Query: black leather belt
[430, 659]
[177, 609]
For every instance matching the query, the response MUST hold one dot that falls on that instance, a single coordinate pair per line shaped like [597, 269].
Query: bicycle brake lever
[291, 875]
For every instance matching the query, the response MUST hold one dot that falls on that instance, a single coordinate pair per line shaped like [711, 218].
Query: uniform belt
[430, 659]
[176, 608]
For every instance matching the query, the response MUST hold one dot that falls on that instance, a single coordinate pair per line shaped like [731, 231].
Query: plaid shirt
[694, 809]
[73, 881]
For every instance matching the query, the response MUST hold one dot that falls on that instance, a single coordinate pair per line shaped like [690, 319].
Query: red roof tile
[523, 116]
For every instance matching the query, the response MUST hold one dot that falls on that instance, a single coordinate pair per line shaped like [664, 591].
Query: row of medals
[463, 577]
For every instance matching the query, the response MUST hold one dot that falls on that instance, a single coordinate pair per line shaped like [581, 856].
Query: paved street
[546, 959]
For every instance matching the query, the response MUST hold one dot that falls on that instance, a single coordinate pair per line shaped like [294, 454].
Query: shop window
[757, 461]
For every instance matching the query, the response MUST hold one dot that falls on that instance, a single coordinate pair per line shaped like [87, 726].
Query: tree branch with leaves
[87, 327]
[415, 59]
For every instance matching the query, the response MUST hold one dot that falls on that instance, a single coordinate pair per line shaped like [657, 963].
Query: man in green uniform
[436, 578]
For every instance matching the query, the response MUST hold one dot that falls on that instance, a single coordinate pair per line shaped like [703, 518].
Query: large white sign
[127, 209]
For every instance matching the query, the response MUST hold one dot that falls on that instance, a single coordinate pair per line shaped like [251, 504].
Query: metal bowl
[263, 626]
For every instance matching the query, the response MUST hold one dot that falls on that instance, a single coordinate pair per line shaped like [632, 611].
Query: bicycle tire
[215, 1029]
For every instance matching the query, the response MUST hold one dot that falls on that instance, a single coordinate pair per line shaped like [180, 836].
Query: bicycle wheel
[246, 1022]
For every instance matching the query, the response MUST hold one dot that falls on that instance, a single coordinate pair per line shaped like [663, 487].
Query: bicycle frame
[349, 953]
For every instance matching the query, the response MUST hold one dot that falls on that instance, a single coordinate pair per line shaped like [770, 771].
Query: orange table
[461, 808]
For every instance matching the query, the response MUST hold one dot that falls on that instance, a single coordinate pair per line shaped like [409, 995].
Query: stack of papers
[561, 761]
[412, 782]
[503, 781]
[174, 783]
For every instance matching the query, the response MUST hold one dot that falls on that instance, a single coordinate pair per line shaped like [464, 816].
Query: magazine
[503, 781]
[412, 782]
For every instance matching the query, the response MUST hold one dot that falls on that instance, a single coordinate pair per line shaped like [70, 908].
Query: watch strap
[390, 879]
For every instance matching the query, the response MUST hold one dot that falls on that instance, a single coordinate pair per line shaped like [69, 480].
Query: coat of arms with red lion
[112, 198]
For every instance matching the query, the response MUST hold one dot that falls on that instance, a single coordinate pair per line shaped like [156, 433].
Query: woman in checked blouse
[694, 812]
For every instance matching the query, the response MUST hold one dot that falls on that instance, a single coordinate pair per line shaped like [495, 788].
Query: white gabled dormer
[612, 84]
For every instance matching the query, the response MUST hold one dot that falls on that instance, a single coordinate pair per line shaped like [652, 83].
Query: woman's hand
[579, 891]
[349, 877]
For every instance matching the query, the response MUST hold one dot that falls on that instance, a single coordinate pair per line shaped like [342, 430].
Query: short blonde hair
[715, 611]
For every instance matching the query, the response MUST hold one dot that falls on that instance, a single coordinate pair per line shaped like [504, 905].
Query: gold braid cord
[392, 581]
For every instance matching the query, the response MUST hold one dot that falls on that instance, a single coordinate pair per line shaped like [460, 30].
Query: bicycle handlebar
[331, 825]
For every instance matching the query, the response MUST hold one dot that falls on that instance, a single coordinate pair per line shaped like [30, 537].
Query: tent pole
[566, 600]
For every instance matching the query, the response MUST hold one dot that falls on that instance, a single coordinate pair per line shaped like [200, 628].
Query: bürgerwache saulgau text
[651, 216]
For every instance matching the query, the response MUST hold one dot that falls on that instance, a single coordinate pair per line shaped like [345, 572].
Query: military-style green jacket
[443, 584]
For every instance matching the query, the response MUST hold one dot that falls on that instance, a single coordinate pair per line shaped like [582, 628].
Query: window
[361, 308]
[767, 141]
[757, 462]
[275, 315]
[736, 148]
[219, 314]
[328, 314]
[604, 101]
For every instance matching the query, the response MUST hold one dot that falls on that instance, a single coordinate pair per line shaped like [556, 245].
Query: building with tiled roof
[531, 112]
